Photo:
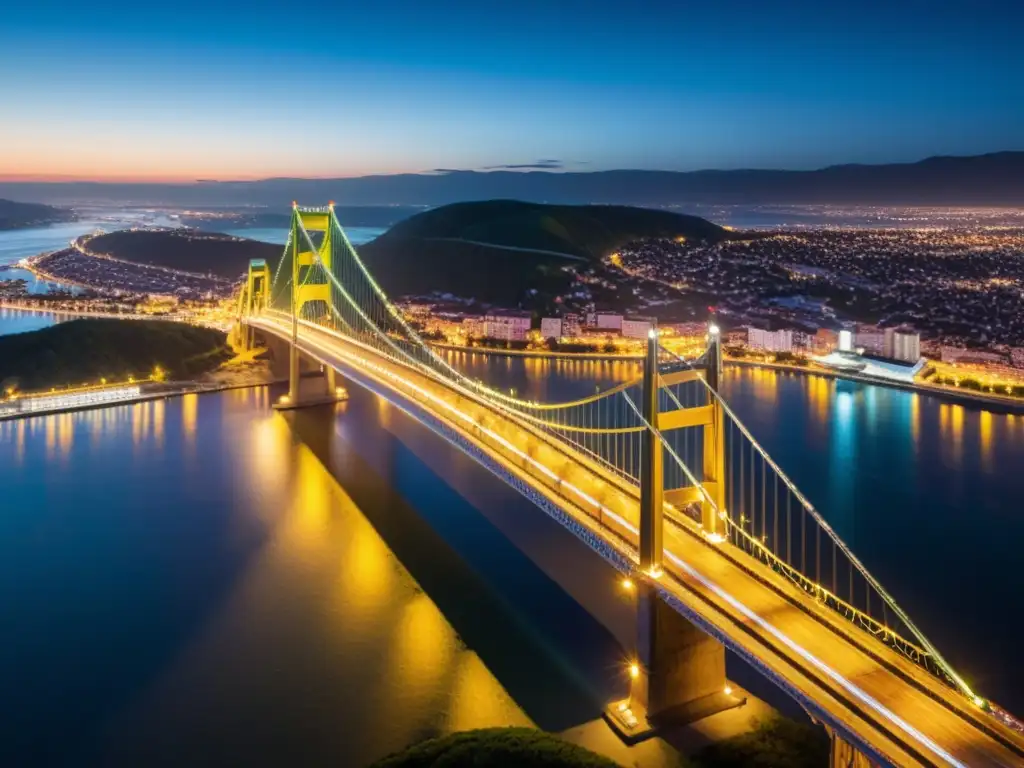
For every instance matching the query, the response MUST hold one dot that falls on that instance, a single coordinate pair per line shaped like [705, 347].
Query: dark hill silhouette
[992, 179]
[14, 215]
[496, 250]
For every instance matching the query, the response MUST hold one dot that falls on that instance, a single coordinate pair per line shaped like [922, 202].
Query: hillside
[585, 231]
[995, 179]
[185, 249]
[83, 351]
[498, 250]
[14, 215]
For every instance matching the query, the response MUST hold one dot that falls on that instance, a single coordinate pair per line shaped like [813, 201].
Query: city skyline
[235, 92]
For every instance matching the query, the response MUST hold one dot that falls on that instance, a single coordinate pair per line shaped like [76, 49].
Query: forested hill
[584, 231]
[14, 215]
[185, 249]
[497, 250]
[84, 351]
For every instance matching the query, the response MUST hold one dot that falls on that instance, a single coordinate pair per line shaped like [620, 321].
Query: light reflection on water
[241, 605]
[203, 576]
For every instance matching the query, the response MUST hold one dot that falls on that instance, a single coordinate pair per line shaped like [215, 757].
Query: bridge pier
[677, 677]
[304, 391]
[842, 754]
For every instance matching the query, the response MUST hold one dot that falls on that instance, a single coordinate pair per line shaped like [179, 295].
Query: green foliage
[83, 351]
[496, 748]
[775, 743]
[186, 249]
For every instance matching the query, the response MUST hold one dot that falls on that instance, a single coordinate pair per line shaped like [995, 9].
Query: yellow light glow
[728, 690]
[634, 671]
[627, 584]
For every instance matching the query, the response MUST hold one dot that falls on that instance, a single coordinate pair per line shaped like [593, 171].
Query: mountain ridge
[995, 179]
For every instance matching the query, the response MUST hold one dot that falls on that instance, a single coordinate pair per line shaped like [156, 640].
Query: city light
[634, 671]
[627, 584]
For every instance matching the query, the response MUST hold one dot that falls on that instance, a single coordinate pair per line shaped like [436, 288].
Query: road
[841, 674]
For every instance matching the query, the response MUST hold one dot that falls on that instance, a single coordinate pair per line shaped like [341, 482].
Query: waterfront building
[906, 346]
[609, 322]
[874, 340]
[551, 327]
[825, 340]
[770, 341]
[636, 327]
[507, 324]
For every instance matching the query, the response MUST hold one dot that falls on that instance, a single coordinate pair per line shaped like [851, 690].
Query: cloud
[540, 165]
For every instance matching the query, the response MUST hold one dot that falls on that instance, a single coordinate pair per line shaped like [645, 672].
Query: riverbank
[532, 353]
[992, 401]
[999, 403]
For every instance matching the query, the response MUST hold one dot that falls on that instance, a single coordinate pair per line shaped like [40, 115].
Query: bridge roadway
[888, 707]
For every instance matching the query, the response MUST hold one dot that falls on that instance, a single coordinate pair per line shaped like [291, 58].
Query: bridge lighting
[650, 333]
[655, 572]
[728, 690]
[979, 701]
[713, 329]
[715, 538]
[634, 671]
[627, 584]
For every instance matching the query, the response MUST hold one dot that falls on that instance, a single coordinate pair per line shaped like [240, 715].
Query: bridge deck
[842, 674]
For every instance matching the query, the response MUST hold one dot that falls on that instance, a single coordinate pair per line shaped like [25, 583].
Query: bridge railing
[771, 528]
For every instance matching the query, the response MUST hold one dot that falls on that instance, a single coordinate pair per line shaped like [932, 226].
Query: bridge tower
[311, 253]
[679, 672]
[254, 297]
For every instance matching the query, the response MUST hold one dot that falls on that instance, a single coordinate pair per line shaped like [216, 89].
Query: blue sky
[244, 90]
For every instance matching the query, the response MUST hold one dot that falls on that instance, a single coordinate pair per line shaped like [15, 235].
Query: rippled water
[205, 580]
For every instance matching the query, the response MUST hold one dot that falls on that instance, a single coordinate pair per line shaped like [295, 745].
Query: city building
[825, 340]
[551, 327]
[507, 324]
[1017, 357]
[636, 327]
[874, 340]
[770, 341]
[906, 346]
[964, 355]
[474, 325]
[572, 324]
[609, 322]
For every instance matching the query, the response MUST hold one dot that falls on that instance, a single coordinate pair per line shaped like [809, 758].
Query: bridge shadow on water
[554, 659]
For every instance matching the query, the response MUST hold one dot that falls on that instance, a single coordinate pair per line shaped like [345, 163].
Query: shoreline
[179, 391]
[968, 397]
[999, 403]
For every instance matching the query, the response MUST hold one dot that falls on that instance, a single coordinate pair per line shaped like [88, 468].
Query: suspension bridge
[662, 480]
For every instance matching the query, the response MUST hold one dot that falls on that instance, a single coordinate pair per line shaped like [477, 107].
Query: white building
[571, 325]
[874, 340]
[1017, 357]
[636, 327]
[474, 325]
[906, 346]
[507, 325]
[609, 322]
[551, 327]
[770, 341]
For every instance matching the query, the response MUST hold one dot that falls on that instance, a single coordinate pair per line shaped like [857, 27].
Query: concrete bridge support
[305, 389]
[845, 755]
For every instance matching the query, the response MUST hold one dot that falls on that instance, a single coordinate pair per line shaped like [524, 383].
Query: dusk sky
[190, 90]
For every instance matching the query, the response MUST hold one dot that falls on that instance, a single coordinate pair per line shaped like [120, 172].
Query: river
[204, 580]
